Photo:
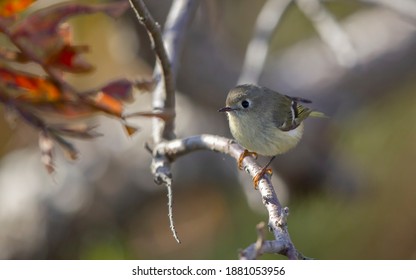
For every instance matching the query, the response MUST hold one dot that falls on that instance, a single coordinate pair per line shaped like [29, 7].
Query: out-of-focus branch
[403, 7]
[277, 215]
[174, 32]
[165, 90]
[168, 49]
[390, 37]
[255, 250]
[330, 31]
[179, 18]
[257, 49]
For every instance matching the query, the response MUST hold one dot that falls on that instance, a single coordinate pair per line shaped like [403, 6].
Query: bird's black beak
[225, 109]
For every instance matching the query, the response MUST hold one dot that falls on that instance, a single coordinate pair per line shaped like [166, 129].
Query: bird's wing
[295, 113]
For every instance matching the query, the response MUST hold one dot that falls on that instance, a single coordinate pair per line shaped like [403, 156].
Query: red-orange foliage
[44, 38]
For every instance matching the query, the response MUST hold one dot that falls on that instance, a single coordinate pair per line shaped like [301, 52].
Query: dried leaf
[29, 87]
[65, 32]
[131, 130]
[43, 30]
[120, 90]
[108, 104]
[75, 130]
[11, 116]
[46, 146]
[67, 109]
[14, 56]
[9, 8]
[46, 97]
[111, 97]
[63, 54]
[81, 108]
[69, 59]
[160, 114]
[44, 24]
[108, 99]
[68, 148]
[146, 84]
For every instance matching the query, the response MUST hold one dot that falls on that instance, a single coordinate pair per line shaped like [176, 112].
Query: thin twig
[167, 151]
[256, 53]
[170, 211]
[168, 49]
[330, 31]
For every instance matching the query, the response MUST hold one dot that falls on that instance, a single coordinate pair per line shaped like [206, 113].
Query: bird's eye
[245, 103]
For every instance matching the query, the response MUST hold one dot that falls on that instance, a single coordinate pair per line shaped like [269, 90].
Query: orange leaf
[108, 104]
[30, 87]
[9, 8]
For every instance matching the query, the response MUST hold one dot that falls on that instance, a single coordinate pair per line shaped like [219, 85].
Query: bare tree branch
[180, 15]
[166, 95]
[256, 250]
[403, 7]
[330, 31]
[257, 49]
[277, 215]
[315, 74]
[168, 49]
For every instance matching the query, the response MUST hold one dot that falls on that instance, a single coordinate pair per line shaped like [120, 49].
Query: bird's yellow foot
[260, 175]
[243, 155]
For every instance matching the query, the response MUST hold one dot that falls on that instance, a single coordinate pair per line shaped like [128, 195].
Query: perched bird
[265, 122]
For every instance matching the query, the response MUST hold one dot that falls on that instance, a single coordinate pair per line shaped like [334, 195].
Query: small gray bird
[265, 122]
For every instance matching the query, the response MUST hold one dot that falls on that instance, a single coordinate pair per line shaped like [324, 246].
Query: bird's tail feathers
[317, 114]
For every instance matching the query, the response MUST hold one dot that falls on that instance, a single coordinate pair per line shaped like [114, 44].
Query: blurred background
[350, 184]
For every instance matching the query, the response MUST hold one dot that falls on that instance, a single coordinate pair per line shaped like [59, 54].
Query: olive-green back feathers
[286, 112]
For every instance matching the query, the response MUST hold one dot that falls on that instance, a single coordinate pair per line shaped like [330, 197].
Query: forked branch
[168, 49]
[168, 151]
